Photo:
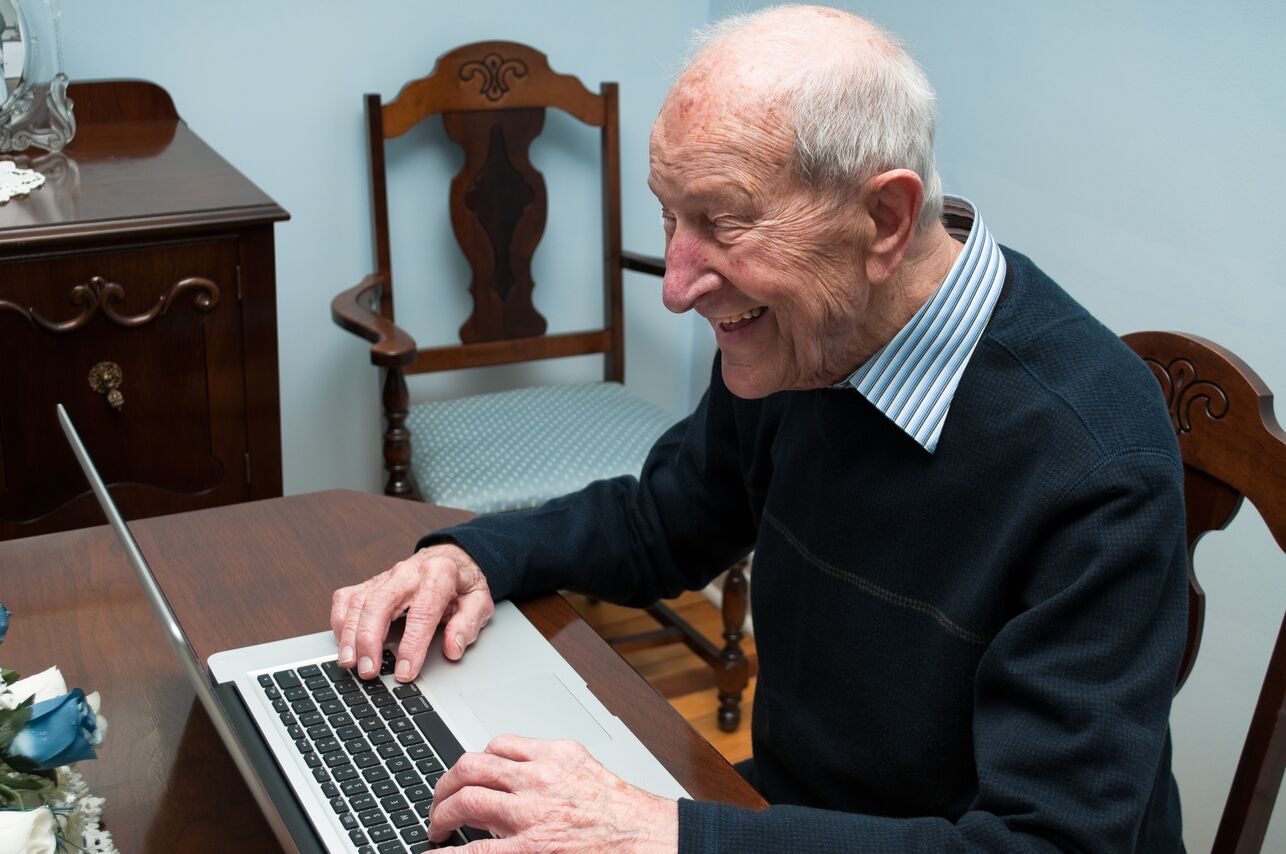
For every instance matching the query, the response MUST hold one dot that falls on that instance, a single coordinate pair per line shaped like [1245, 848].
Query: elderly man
[963, 494]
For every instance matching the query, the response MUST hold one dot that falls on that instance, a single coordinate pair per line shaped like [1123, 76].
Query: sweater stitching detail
[872, 589]
[1053, 391]
[1114, 457]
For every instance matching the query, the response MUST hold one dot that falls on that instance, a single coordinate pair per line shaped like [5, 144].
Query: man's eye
[667, 220]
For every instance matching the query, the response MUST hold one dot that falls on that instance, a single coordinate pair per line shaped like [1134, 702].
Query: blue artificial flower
[5, 614]
[60, 731]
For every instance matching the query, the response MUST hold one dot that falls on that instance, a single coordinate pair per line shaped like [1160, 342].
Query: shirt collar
[913, 378]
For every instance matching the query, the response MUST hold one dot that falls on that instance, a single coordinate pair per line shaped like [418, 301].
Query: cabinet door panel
[167, 316]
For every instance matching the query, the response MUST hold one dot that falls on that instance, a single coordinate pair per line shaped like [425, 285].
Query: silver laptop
[341, 764]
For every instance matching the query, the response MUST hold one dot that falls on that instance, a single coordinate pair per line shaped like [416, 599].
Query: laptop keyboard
[375, 752]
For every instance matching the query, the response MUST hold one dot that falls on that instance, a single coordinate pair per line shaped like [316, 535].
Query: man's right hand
[437, 584]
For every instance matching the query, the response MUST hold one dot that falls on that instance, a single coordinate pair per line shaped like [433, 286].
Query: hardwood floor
[674, 671]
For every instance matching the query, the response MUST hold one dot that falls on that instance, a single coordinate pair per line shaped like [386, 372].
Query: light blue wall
[276, 88]
[1137, 153]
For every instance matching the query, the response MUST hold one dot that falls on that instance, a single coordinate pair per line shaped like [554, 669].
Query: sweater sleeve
[1072, 696]
[628, 540]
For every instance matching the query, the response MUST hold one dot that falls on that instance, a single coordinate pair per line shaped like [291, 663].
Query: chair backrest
[1232, 449]
[492, 98]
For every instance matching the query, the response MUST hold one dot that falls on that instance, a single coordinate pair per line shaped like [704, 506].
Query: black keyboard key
[403, 818]
[339, 805]
[404, 724]
[386, 663]
[393, 803]
[434, 777]
[330, 790]
[382, 699]
[473, 834]
[399, 763]
[362, 710]
[311, 719]
[421, 808]
[357, 836]
[303, 745]
[348, 733]
[440, 737]
[391, 847]
[415, 833]
[357, 698]
[421, 847]
[296, 693]
[339, 720]
[357, 745]
[287, 718]
[410, 737]
[271, 693]
[407, 779]
[325, 695]
[336, 758]
[374, 686]
[327, 745]
[349, 821]
[371, 818]
[286, 679]
[384, 788]
[346, 686]
[331, 707]
[334, 672]
[390, 751]
[428, 766]
[366, 760]
[352, 788]
[380, 736]
[367, 849]
[376, 773]
[321, 775]
[419, 751]
[308, 671]
[295, 731]
[303, 707]
[389, 712]
[317, 733]
[417, 793]
[370, 724]
[279, 705]
[343, 773]
[381, 832]
[312, 760]
[317, 683]
[265, 680]
[415, 705]
[362, 803]
[402, 692]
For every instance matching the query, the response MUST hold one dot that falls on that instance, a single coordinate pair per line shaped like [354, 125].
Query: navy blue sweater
[971, 650]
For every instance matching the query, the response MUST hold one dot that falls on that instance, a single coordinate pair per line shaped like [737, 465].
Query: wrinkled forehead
[708, 115]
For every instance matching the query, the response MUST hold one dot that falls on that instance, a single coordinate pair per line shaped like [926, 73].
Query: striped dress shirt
[913, 378]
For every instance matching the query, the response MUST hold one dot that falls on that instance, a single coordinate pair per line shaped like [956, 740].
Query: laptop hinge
[247, 468]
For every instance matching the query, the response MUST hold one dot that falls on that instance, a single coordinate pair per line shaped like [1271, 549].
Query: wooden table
[239, 575]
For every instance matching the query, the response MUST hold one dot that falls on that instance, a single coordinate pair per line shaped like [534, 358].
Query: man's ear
[892, 200]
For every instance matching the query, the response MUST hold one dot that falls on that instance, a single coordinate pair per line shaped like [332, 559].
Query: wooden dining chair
[518, 448]
[1233, 449]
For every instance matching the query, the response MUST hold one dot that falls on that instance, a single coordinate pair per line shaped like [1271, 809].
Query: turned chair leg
[397, 439]
[732, 673]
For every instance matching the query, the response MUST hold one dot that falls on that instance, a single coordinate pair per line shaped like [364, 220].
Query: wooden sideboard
[144, 265]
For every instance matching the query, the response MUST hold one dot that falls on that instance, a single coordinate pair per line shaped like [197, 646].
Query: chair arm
[643, 263]
[352, 310]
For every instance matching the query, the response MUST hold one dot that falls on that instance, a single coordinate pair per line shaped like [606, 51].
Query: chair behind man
[1232, 449]
[513, 449]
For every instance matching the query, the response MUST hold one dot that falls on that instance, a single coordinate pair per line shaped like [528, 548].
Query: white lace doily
[88, 810]
[17, 182]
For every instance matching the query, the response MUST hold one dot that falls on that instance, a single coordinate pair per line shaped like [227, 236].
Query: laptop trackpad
[537, 707]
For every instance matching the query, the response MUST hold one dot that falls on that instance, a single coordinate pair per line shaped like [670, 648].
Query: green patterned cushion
[504, 451]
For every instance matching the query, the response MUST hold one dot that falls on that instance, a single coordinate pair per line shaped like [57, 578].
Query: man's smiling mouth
[736, 321]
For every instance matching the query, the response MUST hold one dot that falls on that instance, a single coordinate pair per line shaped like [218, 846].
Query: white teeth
[749, 315]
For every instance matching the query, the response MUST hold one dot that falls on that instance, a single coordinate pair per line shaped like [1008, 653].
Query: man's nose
[688, 276]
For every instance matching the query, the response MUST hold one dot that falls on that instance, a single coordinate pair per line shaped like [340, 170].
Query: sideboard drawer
[164, 323]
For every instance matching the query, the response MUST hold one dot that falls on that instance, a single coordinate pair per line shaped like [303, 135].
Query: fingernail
[346, 656]
[459, 643]
[403, 669]
[365, 665]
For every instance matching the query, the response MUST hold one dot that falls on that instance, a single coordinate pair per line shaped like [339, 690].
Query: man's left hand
[538, 795]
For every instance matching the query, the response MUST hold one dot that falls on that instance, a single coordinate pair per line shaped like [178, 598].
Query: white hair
[855, 113]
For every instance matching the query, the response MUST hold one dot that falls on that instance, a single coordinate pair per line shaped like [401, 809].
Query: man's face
[774, 269]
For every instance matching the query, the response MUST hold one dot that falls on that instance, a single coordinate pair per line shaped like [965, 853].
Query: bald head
[840, 93]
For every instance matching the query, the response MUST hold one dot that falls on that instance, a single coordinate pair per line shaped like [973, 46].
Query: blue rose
[60, 731]
[5, 614]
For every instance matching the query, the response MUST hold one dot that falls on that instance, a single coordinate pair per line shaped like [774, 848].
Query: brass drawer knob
[105, 378]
